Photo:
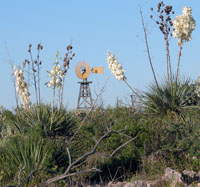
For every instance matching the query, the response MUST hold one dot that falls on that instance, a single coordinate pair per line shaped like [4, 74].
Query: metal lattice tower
[85, 96]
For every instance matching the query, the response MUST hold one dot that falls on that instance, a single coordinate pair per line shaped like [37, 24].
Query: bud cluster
[37, 61]
[163, 19]
[68, 56]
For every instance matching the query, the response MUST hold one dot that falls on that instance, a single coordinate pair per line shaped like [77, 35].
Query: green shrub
[171, 99]
[35, 138]
[31, 151]
[52, 124]
[127, 158]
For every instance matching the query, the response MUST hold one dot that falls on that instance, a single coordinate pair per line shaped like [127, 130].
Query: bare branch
[19, 174]
[63, 176]
[30, 175]
[78, 165]
[147, 47]
[124, 145]
[93, 151]
[90, 152]
[69, 155]
[10, 61]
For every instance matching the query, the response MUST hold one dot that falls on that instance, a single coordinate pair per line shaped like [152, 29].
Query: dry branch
[93, 151]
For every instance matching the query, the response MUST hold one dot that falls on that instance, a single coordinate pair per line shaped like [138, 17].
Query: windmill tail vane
[98, 70]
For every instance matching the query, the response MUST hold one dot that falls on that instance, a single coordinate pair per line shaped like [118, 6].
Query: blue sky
[94, 27]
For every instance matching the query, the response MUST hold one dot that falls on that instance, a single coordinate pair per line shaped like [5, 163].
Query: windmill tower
[82, 69]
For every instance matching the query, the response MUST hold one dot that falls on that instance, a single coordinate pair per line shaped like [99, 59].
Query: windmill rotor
[82, 70]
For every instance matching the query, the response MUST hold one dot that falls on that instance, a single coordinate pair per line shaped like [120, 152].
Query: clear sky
[94, 26]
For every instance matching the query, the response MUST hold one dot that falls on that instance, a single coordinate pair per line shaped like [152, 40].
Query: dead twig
[19, 174]
[124, 145]
[84, 156]
[10, 61]
[29, 176]
[147, 47]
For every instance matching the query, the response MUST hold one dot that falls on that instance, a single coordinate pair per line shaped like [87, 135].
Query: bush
[126, 159]
[32, 151]
[52, 124]
[36, 139]
[171, 98]
[41, 144]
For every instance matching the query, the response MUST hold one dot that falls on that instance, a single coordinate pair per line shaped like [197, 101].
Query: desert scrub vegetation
[43, 144]
[159, 142]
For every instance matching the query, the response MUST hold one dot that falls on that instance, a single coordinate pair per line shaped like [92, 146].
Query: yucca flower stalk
[56, 75]
[117, 69]
[59, 71]
[34, 64]
[163, 18]
[22, 88]
[147, 47]
[61, 79]
[69, 55]
[183, 27]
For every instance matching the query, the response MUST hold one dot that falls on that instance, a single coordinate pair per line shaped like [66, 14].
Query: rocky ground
[170, 178]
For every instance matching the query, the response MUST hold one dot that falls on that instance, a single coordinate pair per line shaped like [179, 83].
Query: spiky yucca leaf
[173, 97]
[32, 151]
[41, 117]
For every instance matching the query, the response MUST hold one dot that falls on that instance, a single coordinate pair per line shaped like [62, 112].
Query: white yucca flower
[22, 87]
[184, 25]
[56, 75]
[115, 67]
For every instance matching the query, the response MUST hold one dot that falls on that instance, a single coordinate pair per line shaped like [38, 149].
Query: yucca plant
[173, 98]
[32, 152]
[35, 139]
[51, 123]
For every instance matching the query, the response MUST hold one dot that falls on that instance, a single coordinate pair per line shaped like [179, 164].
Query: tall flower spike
[184, 25]
[22, 88]
[56, 74]
[115, 67]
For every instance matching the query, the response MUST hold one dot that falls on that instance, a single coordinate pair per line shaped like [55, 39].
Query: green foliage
[126, 159]
[174, 143]
[171, 98]
[36, 139]
[31, 151]
[51, 124]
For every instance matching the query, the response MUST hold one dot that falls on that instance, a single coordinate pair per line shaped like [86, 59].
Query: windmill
[82, 72]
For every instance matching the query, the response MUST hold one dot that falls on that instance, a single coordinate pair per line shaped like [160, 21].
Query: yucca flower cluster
[56, 75]
[115, 67]
[22, 87]
[184, 25]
